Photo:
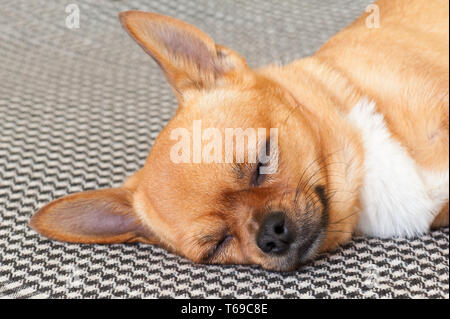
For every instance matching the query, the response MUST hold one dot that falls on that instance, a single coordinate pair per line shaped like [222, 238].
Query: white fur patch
[398, 198]
[437, 186]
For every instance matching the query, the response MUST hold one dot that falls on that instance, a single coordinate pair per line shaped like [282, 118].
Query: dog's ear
[101, 216]
[189, 58]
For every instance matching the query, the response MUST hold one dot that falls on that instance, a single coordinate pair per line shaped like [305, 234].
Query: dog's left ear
[93, 217]
[189, 58]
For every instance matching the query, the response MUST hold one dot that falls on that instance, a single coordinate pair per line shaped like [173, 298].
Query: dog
[362, 146]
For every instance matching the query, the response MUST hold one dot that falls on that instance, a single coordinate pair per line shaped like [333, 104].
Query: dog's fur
[363, 144]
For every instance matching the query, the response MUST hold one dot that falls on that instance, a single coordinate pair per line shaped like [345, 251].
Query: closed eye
[257, 177]
[223, 242]
[220, 245]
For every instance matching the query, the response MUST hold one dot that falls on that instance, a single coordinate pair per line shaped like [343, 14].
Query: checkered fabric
[80, 109]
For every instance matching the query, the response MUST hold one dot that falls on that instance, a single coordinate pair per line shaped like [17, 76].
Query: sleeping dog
[356, 141]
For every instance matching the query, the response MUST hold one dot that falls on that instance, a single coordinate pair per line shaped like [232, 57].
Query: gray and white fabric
[80, 109]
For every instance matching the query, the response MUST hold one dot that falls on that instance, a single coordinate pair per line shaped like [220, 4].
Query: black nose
[274, 236]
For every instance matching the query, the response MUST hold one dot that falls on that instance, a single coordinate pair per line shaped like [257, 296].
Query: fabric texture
[80, 109]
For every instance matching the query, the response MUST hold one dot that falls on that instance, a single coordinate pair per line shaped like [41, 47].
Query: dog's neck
[315, 83]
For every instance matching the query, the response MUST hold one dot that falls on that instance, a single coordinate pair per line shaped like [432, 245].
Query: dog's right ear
[189, 58]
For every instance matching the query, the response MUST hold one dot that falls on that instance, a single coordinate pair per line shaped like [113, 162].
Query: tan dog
[362, 146]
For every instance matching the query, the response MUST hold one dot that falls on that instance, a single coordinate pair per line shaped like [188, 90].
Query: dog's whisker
[345, 218]
[312, 162]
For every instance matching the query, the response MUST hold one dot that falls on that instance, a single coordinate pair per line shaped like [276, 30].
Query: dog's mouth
[309, 250]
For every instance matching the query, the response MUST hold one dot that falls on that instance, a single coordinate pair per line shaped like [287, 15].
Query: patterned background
[79, 110]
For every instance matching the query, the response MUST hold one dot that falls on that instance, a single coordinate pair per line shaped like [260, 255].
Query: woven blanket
[80, 109]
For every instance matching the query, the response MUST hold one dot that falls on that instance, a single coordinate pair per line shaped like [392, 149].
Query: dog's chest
[398, 197]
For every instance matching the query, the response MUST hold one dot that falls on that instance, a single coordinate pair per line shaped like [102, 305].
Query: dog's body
[392, 84]
[363, 145]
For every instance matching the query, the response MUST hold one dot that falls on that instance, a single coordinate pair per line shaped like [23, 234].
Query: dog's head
[276, 200]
